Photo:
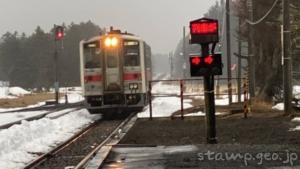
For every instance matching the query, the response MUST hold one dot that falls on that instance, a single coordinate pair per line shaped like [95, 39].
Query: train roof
[115, 32]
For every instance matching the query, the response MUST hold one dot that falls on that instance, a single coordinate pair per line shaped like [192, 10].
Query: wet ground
[265, 140]
[259, 128]
[205, 157]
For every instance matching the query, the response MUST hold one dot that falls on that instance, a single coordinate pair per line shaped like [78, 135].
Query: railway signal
[59, 32]
[206, 66]
[205, 31]
[59, 35]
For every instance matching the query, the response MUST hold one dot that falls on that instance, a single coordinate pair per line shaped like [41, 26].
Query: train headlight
[133, 86]
[114, 41]
[108, 42]
[111, 42]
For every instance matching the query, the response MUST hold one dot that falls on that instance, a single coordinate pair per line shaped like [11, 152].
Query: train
[115, 70]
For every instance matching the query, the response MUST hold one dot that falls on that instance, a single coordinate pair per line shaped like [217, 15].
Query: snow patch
[7, 118]
[18, 91]
[297, 119]
[279, 106]
[19, 141]
[164, 107]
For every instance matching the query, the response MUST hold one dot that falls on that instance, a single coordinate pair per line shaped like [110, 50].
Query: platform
[203, 157]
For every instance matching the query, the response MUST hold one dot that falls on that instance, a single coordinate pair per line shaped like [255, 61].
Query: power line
[265, 16]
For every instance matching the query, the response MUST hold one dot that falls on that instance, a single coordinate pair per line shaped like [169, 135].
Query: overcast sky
[159, 22]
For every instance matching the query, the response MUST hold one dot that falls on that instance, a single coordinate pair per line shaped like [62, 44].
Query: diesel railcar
[115, 70]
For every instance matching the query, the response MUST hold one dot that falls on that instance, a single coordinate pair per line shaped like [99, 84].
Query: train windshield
[92, 55]
[131, 53]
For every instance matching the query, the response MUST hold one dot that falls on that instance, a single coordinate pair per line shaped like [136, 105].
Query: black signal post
[59, 35]
[209, 94]
[205, 32]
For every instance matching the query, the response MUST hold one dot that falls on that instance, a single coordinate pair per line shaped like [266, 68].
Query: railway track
[80, 147]
[46, 107]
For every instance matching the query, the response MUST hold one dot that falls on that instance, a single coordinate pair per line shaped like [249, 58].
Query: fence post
[150, 100]
[181, 98]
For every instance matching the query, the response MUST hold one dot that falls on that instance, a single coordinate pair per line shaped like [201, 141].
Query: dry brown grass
[26, 100]
[259, 105]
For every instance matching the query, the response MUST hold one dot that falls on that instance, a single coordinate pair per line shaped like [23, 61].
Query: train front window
[92, 55]
[112, 58]
[131, 53]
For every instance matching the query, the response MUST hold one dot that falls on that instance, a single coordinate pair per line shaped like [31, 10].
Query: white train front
[115, 70]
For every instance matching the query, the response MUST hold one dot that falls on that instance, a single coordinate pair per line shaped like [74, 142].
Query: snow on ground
[18, 91]
[6, 118]
[18, 142]
[296, 119]
[4, 93]
[279, 106]
[19, 108]
[166, 106]
[163, 107]
[160, 88]
[72, 98]
[60, 113]
[200, 113]
[296, 89]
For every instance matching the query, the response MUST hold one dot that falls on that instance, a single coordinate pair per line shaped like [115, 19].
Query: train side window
[131, 53]
[92, 56]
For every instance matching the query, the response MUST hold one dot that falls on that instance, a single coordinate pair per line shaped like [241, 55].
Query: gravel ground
[257, 138]
[259, 128]
[73, 154]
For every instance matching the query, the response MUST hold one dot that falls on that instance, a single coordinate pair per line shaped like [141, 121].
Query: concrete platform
[203, 157]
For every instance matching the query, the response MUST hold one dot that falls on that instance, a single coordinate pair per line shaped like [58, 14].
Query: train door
[112, 70]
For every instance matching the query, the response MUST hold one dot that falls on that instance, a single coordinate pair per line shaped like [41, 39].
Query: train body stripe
[132, 76]
[92, 78]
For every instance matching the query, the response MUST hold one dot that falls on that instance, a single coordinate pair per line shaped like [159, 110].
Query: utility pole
[239, 73]
[228, 45]
[184, 54]
[251, 65]
[171, 63]
[287, 64]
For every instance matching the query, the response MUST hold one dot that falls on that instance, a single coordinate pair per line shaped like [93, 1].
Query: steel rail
[83, 162]
[62, 146]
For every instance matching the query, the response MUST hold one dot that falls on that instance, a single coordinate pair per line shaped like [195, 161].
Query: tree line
[28, 60]
[267, 42]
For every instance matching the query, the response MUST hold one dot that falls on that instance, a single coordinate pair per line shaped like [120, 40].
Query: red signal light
[196, 60]
[59, 32]
[59, 35]
[209, 59]
[204, 28]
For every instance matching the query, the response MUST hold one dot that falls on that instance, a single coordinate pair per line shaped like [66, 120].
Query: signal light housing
[206, 66]
[59, 33]
[204, 31]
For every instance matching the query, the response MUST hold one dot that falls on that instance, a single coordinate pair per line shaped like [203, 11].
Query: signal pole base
[212, 141]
